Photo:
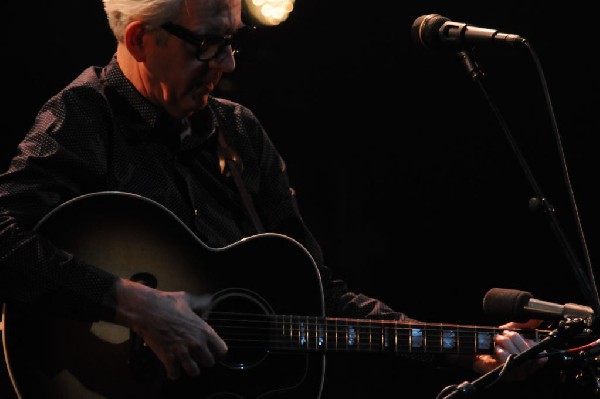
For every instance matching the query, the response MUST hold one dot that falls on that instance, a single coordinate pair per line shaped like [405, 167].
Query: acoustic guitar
[268, 306]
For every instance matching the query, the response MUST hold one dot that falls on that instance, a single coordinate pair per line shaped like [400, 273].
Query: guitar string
[313, 333]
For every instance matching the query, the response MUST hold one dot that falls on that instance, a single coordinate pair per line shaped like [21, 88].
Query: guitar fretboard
[318, 334]
[355, 335]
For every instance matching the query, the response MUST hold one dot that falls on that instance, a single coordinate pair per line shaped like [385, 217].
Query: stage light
[269, 12]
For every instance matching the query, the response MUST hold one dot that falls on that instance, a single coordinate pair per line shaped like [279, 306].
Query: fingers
[217, 345]
[189, 358]
[510, 342]
[200, 304]
[187, 361]
[205, 356]
[189, 364]
[172, 326]
[201, 350]
[171, 364]
[532, 323]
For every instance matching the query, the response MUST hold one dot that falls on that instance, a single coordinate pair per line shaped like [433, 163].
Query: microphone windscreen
[424, 31]
[506, 303]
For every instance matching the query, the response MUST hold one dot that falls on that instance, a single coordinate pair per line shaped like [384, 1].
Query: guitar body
[49, 356]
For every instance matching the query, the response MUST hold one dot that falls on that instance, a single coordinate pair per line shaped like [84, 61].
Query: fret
[366, 337]
[417, 337]
[403, 339]
[316, 334]
[485, 341]
[321, 334]
[447, 340]
[336, 335]
[377, 336]
[386, 342]
[305, 333]
[417, 340]
[396, 340]
[363, 338]
[283, 335]
[351, 336]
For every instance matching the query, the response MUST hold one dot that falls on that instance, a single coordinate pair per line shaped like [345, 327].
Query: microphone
[433, 31]
[520, 306]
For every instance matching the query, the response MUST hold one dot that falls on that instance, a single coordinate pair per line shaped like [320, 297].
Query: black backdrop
[401, 168]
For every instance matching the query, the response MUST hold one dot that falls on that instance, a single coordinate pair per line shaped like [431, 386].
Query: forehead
[211, 14]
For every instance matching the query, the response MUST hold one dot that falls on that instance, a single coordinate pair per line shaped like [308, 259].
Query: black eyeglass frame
[201, 40]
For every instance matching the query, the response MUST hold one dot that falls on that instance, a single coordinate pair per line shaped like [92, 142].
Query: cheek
[168, 61]
[175, 78]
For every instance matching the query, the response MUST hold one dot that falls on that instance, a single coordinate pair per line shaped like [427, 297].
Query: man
[147, 124]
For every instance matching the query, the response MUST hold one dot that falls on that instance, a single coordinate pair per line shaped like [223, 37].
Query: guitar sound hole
[242, 318]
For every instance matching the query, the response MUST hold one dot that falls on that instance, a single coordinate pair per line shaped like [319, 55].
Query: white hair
[154, 12]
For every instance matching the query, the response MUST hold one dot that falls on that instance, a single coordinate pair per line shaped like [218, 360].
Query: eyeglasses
[210, 46]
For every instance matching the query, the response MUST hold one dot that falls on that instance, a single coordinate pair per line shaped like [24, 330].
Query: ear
[134, 39]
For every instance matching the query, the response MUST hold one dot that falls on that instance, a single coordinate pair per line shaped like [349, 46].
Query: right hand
[169, 323]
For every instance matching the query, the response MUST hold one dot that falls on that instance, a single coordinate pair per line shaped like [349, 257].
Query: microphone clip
[473, 69]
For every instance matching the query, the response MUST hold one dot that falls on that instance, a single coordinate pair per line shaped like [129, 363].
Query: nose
[225, 60]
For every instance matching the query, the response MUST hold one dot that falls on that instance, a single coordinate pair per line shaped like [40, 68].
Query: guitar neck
[317, 334]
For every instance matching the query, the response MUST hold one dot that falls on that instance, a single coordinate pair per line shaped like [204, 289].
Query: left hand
[509, 343]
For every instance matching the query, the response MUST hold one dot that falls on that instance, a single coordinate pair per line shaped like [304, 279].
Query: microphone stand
[566, 329]
[539, 201]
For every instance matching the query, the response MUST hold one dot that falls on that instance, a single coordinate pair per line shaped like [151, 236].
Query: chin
[200, 101]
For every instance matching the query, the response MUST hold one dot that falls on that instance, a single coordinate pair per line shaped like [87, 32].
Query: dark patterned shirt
[99, 134]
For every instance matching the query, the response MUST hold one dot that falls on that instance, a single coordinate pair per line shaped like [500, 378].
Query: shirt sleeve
[52, 165]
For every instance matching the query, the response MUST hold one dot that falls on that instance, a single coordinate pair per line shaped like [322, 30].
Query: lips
[199, 89]
[203, 87]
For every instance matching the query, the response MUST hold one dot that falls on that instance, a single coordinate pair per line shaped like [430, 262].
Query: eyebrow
[168, 26]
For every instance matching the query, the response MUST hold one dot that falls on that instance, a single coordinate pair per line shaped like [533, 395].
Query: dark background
[402, 169]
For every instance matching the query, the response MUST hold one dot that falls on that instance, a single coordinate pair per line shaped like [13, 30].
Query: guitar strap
[231, 165]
